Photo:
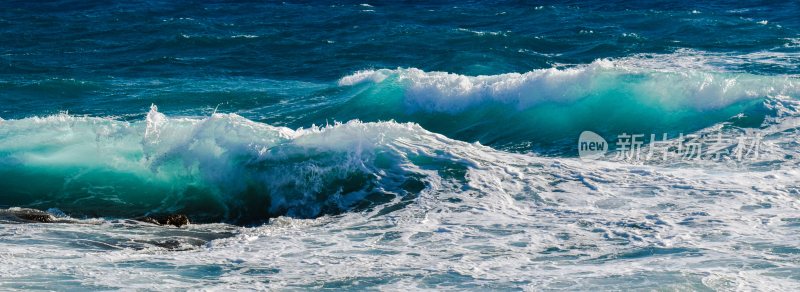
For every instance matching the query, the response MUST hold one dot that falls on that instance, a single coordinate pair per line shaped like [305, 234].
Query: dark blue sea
[400, 145]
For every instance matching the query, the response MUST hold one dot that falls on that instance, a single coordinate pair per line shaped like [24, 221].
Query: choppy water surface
[396, 145]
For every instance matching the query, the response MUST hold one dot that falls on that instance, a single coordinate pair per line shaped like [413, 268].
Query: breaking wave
[674, 93]
[222, 167]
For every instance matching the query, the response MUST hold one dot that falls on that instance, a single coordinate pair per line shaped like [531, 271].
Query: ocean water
[398, 145]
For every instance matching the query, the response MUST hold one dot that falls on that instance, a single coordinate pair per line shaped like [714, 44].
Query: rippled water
[396, 145]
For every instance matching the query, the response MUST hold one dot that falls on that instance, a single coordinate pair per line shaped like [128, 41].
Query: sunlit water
[424, 146]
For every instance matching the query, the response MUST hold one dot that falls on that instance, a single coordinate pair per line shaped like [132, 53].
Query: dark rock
[43, 218]
[27, 215]
[176, 220]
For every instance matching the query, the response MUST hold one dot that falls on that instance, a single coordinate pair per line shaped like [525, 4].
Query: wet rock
[25, 215]
[176, 220]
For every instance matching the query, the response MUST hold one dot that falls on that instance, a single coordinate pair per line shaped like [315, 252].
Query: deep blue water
[115, 59]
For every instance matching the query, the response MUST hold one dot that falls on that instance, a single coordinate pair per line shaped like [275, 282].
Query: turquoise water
[390, 145]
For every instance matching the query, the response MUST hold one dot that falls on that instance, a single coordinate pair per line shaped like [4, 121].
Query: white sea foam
[511, 220]
[486, 219]
[683, 79]
[224, 153]
[792, 43]
[247, 36]
[362, 76]
[481, 33]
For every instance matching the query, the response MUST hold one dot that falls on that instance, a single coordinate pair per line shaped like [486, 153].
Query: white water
[514, 220]
[486, 219]
[684, 79]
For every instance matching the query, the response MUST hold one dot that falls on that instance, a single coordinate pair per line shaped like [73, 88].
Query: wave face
[414, 196]
[552, 106]
[541, 110]
[395, 146]
[223, 167]
[226, 167]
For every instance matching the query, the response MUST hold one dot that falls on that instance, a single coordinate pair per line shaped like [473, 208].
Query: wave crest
[222, 167]
[693, 88]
